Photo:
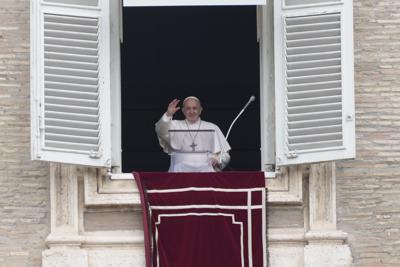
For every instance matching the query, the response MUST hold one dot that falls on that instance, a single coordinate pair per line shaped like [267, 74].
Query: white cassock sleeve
[222, 148]
[162, 127]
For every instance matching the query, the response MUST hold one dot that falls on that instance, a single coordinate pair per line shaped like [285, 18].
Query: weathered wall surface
[24, 195]
[368, 189]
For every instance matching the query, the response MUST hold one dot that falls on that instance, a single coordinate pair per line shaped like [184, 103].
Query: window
[208, 51]
[306, 91]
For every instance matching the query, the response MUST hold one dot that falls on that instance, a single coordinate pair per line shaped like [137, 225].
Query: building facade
[319, 215]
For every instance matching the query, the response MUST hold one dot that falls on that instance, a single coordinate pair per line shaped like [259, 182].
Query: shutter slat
[91, 3]
[313, 56]
[300, 95]
[71, 109]
[68, 27]
[72, 131]
[71, 146]
[313, 49]
[71, 138]
[72, 124]
[70, 79]
[313, 34]
[316, 145]
[71, 42]
[314, 122]
[70, 20]
[71, 50]
[71, 64]
[71, 101]
[72, 72]
[313, 63]
[335, 17]
[73, 87]
[314, 86]
[315, 115]
[71, 94]
[314, 78]
[310, 138]
[313, 71]
[314, 100]
[71, 57]
[313, 41]
[315, 26]
[71, 116]
[312, 108]
[315, 130]
[70, 35]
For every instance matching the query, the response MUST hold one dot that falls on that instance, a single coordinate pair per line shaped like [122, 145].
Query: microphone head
[252, 98]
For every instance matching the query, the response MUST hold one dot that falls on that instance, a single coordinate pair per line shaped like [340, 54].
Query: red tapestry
[204, 219]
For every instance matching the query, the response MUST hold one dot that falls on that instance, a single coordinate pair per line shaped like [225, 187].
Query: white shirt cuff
[166, 118]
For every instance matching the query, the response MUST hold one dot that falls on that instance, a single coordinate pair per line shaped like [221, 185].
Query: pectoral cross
[193, 146]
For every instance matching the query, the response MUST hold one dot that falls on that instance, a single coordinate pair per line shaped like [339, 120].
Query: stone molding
[74, 188]
[64, 215]
[287, 186]
[100, 238]
[325, 244]
[100, 190]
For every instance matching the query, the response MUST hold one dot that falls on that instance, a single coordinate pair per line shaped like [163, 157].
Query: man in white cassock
[194, 145]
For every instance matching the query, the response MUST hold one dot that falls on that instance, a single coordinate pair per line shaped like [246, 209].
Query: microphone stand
[252, 98]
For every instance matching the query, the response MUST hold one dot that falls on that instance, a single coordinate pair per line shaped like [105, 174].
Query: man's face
[192, 110]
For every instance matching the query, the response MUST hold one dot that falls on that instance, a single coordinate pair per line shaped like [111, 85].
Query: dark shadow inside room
[174, 52]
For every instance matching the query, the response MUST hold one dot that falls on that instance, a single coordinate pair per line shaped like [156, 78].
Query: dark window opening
[209, 52]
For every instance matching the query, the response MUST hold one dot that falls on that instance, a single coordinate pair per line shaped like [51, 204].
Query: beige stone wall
[368, 188]
[24, 197]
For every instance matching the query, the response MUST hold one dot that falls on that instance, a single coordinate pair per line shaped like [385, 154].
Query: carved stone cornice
[287, 186]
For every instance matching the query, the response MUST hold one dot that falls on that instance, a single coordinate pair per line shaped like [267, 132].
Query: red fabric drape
[204, 219]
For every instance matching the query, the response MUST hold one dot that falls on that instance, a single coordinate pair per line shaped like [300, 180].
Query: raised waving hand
[173, 107]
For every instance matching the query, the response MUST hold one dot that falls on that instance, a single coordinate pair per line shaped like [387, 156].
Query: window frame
[267, 114]
[265, 27]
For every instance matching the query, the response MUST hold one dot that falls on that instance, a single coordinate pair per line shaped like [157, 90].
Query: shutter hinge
[41, 123]
[292, 155]
[108, 164]
[349, 117]
[95, 154]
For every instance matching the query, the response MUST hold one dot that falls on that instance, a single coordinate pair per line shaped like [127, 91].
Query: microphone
[251, 99]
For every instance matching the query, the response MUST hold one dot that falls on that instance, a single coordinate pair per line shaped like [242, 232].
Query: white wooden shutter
[70, 87]
[314, 81]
